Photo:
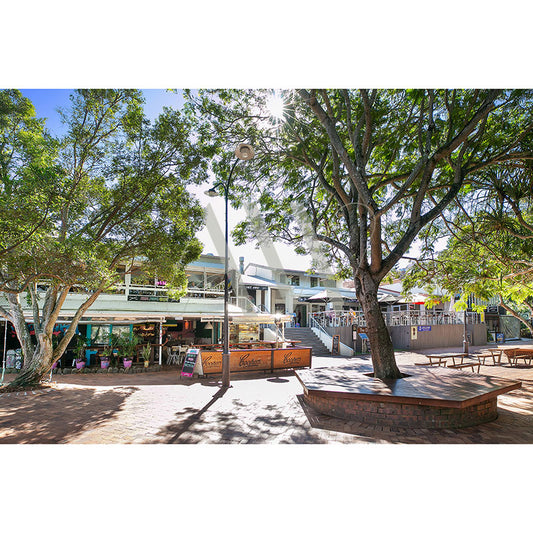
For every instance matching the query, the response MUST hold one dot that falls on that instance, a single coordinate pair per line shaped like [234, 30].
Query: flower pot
[104, 362]
[127, 363]
[146, 363]
[80, 364]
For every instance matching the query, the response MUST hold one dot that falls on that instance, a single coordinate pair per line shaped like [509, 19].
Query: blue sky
[47, 102]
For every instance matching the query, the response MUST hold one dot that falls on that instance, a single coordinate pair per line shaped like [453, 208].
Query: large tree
[118, 197]
[490, 243]
[364, 170]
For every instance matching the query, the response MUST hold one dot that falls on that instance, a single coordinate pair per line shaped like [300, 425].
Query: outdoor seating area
[514, 355]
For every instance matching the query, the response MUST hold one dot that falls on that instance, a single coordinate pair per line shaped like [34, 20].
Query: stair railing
[316, 324]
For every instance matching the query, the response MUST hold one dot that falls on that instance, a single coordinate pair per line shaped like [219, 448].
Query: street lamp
[244, 152]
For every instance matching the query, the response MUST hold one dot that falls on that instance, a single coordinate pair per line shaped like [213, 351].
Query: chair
[182, 354]
[172, 358]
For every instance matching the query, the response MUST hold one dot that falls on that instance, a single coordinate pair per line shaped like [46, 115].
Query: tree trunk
[21, 329]
[44, 355]
[39, 366]
[381, 347]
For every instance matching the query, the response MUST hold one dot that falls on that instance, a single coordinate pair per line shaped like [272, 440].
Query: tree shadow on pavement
[56, 416]
[242, 423]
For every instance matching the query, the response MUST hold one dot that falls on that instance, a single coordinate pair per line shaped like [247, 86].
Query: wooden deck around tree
[433, 386]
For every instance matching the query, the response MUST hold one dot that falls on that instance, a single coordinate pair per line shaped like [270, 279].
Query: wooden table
[495, 353]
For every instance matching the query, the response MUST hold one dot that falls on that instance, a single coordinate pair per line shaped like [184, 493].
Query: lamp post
[243, 152]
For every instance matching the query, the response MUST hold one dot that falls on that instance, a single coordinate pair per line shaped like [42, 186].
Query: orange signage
[211, 362]
[292, 357]
[249, 360]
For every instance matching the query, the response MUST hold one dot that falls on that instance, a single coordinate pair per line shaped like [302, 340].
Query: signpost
[192, 362]
[335, 345]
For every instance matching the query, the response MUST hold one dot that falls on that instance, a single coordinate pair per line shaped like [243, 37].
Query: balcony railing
[335, 319]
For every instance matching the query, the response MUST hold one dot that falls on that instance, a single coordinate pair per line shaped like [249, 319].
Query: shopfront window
[215, 282]
[196, 280]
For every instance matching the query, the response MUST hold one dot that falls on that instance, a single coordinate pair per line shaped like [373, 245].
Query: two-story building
[293, 292]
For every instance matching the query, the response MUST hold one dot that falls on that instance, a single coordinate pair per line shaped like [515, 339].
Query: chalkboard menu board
[335, 345]
[189, 363]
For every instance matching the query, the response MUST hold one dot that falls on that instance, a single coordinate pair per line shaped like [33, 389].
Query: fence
[336, 319]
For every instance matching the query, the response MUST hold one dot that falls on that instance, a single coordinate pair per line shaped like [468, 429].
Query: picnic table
[441, 358]
[458, 361]
[514, 355]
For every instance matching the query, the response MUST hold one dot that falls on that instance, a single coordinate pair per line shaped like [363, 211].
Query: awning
[252, 282]
[249, 318]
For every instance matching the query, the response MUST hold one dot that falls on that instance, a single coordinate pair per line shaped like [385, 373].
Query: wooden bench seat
[467, 365]
[521, 356]
[432, 363]
[483, 356]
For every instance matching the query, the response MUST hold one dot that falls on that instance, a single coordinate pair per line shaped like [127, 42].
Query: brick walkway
[158, 408]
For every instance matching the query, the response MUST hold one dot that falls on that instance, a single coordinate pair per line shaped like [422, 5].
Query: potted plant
[81, 343]
[105, 358]
[127, 343]
[146, 352]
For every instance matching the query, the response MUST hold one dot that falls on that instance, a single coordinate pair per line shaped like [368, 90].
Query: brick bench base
[426, 397]
[403, 414]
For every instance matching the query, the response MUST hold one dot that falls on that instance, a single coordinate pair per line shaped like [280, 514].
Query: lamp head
[245, 152]
[211, 192]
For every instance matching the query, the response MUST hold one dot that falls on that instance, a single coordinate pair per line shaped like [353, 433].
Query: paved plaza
[159, 408]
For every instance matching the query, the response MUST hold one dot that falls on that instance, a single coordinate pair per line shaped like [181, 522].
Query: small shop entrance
[301, 315]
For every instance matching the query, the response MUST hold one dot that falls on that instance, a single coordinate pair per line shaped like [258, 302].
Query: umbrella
[388, 299]
[417, 299]
[325, 295]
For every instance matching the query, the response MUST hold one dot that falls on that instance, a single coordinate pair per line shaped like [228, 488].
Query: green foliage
[28, 173]
[388, 160]
[490, 244]
[119, 196]
[79, 349]
[146, 352]
[110, 193]
[126, 343]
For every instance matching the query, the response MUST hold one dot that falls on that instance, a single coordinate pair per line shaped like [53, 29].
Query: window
[293, 280]
[314, 282]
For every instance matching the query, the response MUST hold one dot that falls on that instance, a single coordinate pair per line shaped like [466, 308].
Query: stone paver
[158, 408]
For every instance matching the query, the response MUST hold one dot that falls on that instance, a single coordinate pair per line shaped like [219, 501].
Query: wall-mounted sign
[424, 328]
[413, 332]
[256, 287]
[142, 298]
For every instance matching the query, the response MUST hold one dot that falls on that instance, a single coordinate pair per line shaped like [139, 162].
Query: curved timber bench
[429, 397]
